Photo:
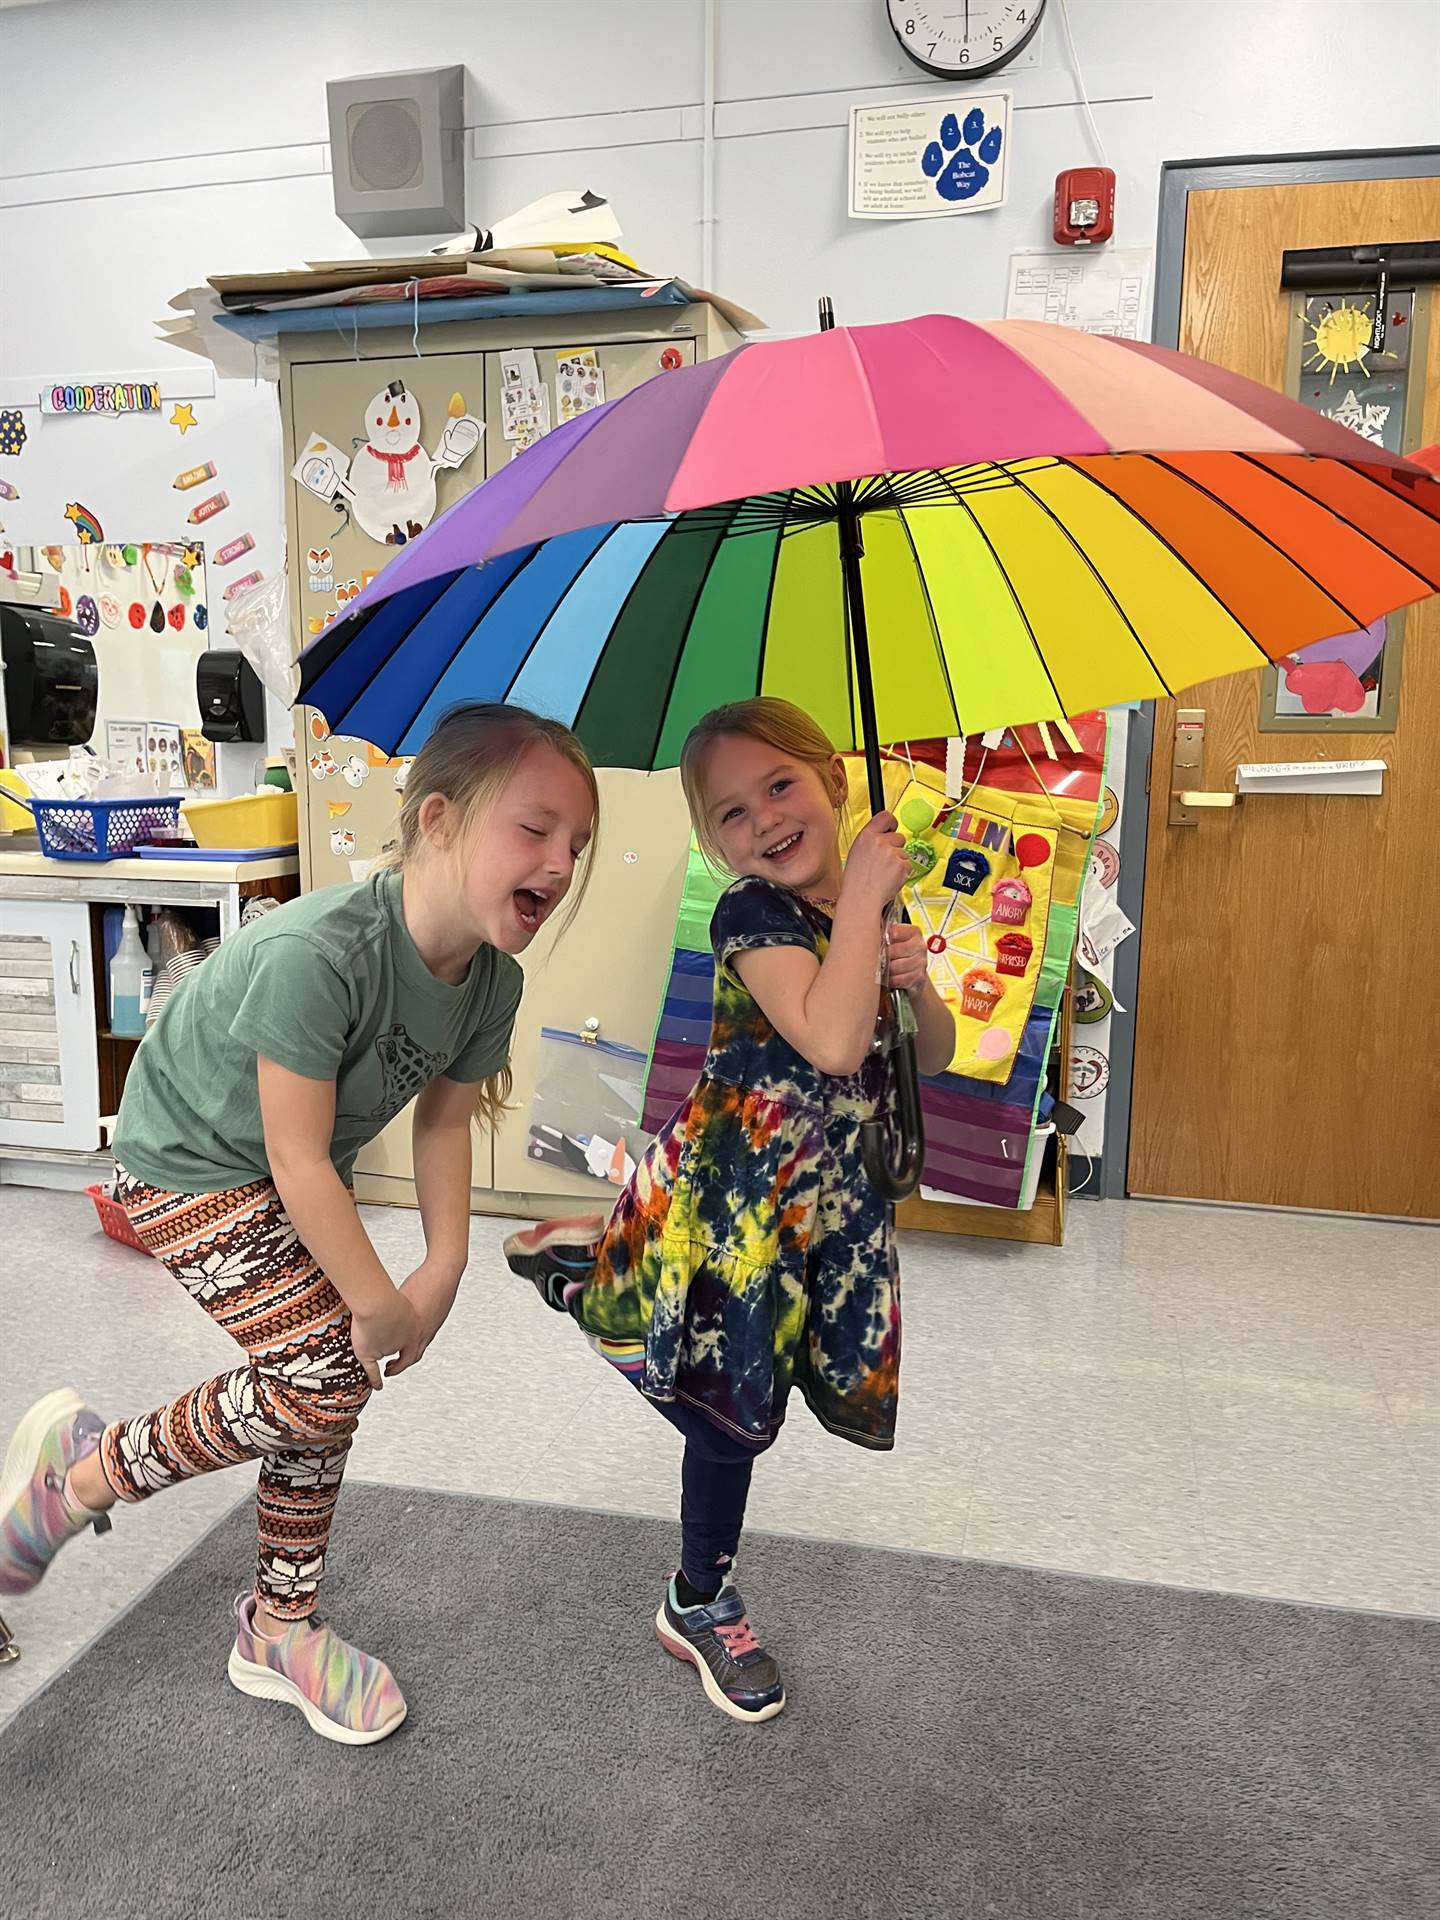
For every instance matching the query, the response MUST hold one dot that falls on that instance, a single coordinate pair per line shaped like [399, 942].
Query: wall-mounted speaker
[397, 151]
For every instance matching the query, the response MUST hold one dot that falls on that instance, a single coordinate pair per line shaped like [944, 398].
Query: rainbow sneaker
[557, 1257]
[735, 1670]
[345, 1694]
[35, 1517]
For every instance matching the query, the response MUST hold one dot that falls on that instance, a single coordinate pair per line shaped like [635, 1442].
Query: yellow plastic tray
[254, 820]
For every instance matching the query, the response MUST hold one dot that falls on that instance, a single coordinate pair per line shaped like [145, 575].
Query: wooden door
[1287, 1045]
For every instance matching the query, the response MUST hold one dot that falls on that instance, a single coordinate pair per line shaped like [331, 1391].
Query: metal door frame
[1178, 180]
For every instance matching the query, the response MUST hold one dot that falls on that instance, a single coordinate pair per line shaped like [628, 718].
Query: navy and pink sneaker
[557, 1257]
[36, 1517]
[717, 1639]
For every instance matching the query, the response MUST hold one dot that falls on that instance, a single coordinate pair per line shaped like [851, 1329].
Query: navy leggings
[714, 1486]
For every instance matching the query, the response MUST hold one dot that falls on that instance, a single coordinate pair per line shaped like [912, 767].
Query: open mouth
[531, 906]
[783, 849]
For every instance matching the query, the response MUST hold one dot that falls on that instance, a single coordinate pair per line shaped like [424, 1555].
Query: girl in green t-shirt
[244, 1109]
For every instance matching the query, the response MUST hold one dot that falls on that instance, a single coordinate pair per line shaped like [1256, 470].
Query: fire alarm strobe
[1084, 206]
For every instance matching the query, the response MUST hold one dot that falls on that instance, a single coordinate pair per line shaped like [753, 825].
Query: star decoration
[183, 417]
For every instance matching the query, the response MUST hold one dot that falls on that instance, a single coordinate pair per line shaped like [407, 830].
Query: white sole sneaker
[583, 1230]
[24, 1448]
[682, 1650]
[263, 1683]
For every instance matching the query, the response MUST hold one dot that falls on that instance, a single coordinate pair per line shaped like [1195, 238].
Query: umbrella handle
[895, 1179]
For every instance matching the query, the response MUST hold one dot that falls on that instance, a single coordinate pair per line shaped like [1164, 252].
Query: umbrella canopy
[1051, 521]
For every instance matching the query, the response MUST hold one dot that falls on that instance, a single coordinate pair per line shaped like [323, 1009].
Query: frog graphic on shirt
[407, 1068]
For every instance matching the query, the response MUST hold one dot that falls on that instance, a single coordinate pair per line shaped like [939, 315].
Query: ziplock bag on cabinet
[585, 1117]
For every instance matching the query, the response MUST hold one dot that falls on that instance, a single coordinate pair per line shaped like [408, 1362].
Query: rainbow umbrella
[930, 527]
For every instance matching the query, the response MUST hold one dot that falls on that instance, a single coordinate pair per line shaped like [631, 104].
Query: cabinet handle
[75, 966]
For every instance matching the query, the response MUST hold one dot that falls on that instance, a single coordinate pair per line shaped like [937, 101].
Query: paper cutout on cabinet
[389, 485]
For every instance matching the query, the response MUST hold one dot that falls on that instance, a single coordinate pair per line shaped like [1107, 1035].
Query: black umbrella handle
[895, 1176]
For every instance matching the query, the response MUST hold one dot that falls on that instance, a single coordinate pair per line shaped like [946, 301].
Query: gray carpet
[962, 1739]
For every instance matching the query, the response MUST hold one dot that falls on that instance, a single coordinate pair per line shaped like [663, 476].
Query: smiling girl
[244, 1111]
[749, 1254]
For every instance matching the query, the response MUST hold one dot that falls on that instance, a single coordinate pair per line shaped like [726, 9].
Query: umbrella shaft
[852, 547]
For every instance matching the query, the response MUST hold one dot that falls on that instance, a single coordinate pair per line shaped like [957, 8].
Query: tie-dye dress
[749, 1253]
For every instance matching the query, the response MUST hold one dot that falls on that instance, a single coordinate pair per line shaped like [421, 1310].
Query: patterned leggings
[294, 1406]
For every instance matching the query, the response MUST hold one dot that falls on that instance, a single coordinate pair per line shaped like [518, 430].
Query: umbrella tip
[827, 313]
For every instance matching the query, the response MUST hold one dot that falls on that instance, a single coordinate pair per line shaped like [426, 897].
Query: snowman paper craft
[389, 484]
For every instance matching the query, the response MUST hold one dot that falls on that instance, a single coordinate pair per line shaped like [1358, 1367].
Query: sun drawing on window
[1340, 338]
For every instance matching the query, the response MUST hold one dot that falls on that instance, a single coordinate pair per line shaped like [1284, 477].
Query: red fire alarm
[1084, 206]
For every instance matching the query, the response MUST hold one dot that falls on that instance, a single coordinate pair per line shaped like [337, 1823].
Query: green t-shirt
[330, 986]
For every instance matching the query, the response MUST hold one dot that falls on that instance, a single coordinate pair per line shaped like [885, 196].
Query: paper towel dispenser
[51, 681]
[229, 695]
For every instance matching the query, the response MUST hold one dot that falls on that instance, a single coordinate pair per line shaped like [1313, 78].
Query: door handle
[1188, 757]
[75, 966]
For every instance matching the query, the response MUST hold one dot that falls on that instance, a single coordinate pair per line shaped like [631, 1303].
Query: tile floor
[1209, 1398]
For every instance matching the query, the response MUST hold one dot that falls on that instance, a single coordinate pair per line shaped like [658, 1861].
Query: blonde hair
[470, 758]
[778, 724]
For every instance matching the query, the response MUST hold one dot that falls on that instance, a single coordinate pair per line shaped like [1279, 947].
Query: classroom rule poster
[917, 160]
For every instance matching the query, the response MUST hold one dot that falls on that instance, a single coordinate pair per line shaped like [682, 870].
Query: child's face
[520, 861]
[773, 816]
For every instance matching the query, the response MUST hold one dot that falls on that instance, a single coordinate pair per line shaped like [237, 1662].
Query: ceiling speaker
[397, 151]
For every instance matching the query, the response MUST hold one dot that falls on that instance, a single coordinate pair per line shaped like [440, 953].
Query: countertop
[136, 875]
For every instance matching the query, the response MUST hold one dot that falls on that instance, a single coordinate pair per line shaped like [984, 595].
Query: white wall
[147, 143]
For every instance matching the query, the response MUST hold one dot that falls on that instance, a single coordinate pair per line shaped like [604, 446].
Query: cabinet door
[350, 799]
[610, 964]
[622, 367]
[49, 1077]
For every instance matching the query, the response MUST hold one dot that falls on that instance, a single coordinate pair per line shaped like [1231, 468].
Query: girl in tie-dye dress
[749, 1254]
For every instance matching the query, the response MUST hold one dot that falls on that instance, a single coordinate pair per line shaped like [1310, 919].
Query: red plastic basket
[115, 1221]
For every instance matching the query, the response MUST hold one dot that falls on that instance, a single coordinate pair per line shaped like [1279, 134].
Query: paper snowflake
[12, 430]
[1366, 417]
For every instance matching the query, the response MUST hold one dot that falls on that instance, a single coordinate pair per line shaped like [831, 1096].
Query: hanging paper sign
[194, 476]
[391, 480]
[116, 397]
[87, 528]
[232, 550]
[207, 509]
[239, 586]
[389, 485]
[579, 383]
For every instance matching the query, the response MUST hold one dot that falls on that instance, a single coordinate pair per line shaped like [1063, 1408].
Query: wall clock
[966, 40]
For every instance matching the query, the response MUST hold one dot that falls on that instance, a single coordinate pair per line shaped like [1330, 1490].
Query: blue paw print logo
[959, 162]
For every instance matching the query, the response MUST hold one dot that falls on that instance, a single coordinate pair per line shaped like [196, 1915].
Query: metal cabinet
[49, 1084]
[611, 963]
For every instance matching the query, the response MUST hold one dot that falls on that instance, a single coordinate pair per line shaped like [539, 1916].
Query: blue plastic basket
[98, 829]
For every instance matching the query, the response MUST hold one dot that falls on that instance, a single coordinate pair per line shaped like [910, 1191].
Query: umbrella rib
[1362, 472]
[464, 639]
[1179, 558]
[965, 506]
[618, 615]
[1346, 612]
[769, 602]
[336, 647]
[1096, 575]
[664, 705]
[934, 623]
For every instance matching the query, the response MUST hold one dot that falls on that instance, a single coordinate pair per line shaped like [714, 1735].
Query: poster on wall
[1085, 289]
[919, 160]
